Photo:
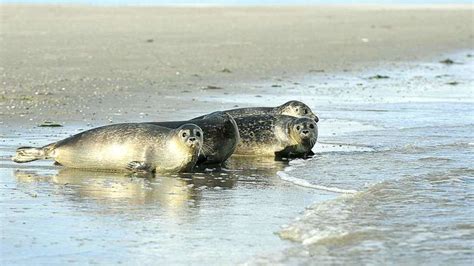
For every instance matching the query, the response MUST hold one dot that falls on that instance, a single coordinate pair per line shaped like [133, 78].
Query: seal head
[296, 109]
[190, 136]
[221, 136]
[186, 142]
[304, 131]
[302, 136]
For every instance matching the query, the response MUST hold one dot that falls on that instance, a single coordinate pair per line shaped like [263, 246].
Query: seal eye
[298, 127]
[198, 134]
[305, 111]
[311, 126]
[184, 134]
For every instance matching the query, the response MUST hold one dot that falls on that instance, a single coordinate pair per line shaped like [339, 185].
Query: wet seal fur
[291, 108]
[276, 135]
[221, 136]
[132, 147]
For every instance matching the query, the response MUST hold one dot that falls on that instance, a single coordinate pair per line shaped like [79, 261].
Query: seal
[132, 147]
[291, 108]
[221, 136]
[276, 135]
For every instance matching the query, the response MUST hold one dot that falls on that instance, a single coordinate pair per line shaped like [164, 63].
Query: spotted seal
[276, 135]
[291, 108]
[134, 147]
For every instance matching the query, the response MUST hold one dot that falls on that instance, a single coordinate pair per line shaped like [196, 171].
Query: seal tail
[28, 154]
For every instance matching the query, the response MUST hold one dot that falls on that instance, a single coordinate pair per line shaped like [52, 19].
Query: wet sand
[85, 67]
[100, 64]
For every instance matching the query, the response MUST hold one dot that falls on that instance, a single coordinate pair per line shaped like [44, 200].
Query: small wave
[368, 213]
[434, 159]
[325, 147]
[342, 127]
[303, 183]
[296, 162]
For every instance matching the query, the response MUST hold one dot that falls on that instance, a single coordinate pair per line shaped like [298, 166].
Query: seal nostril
[316, 119]
[305, 132]
[192, 139]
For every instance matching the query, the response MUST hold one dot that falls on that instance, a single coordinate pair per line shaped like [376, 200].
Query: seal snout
[305, 134]
[193, 142]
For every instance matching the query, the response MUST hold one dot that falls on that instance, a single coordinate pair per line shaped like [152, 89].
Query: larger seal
[291, 108]
[119, 147]
[221, 136]
[276, 135]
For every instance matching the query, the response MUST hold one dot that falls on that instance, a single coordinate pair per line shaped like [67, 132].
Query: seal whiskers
[206, 149]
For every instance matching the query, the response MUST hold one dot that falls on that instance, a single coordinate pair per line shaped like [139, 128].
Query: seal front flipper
[309, 154]
[139, 167]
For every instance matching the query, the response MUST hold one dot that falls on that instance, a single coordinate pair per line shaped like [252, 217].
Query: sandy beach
[80, 63]
[392, 86]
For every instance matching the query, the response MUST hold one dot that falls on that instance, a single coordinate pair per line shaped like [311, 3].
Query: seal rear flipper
[28, 154]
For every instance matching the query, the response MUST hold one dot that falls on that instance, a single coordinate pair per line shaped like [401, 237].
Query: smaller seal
[276, 135]
[291, 108]
[221, 136]
[132, 147]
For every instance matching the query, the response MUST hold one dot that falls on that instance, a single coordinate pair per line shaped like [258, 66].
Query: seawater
[413, 173]
[391, 182]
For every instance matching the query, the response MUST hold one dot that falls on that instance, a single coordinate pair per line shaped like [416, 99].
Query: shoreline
[261, 188]
[86, 69]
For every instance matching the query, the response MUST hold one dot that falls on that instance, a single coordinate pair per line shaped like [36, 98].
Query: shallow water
[415, 183]
[401, 148]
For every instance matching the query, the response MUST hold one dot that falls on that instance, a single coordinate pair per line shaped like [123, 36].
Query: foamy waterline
[303, 183]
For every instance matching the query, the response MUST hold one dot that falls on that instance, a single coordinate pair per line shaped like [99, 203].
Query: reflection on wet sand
[173, 193]
[174, 196]
[265, 164]
[256, 169]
